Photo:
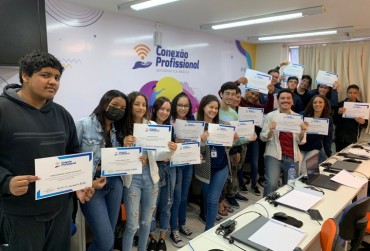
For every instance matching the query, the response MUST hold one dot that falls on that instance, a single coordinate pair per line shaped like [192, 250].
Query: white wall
[98, 54]
[268, 56]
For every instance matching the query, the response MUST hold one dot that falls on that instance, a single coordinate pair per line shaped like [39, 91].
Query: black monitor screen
[22, 28]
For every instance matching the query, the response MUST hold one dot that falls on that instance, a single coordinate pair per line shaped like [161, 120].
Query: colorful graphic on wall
[72, 15]
[142, 51]
[168, 87]
[249, 51]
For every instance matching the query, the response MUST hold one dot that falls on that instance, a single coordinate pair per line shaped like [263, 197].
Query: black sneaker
[185, 231]
[243, 188]
[232, 202]
[218, 217]
[255, 190]
[161, 246]
[202, 218]
[176, 239]
[152, 245]
[238, 196]
[262, 181]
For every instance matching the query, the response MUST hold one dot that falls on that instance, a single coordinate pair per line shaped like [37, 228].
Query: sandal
[227, 207]
[222, 212]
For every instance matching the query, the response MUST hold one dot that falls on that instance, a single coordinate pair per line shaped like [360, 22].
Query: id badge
[213, 153]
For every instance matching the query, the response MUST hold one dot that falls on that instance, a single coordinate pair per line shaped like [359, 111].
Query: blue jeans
[184, 176]
[253, 150]
[140, 199]
[101, 214]
[165, 197]
[273, 169]
[212, 193]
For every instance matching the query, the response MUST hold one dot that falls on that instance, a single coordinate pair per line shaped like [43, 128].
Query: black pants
[48, 232]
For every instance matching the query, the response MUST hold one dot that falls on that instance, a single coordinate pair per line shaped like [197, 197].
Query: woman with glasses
[103, 129]
[181, 109]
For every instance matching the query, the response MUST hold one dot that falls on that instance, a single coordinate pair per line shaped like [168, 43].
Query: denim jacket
[90, 136]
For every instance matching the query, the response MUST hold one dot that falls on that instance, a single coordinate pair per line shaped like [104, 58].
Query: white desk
[330, 206]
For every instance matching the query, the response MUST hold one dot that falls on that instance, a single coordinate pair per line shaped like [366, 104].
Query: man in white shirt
[281, 147]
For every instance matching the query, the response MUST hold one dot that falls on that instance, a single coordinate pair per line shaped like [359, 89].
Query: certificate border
[38, 193]
[221, 125]
[185, 164]
[121, 148]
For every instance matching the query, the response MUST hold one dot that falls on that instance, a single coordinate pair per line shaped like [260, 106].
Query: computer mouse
[280, 216]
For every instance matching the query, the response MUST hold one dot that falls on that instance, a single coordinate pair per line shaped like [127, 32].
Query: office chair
[329, 235]
[364, 244]
[353, 222]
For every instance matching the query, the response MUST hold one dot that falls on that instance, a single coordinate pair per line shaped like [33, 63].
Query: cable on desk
[290, 189]
[191, 246]
[231, 241]
[316, 220]
[361, 173]
[267, 213]
[315, 189]
[247, 213]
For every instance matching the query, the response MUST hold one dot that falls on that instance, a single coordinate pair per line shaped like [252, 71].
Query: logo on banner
[142, 51]
[179, 59]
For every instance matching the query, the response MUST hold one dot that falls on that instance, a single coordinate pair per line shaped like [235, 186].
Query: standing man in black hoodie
[347, 130]
[33, 126]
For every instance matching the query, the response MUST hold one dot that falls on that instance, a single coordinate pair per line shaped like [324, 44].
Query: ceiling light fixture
[297, 35]
[311, 33]
[144, 4]
[274, 17]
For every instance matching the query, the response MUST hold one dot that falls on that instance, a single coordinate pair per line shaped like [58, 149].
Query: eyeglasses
[183, 107]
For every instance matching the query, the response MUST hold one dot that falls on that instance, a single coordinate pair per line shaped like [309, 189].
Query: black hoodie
[28, 133]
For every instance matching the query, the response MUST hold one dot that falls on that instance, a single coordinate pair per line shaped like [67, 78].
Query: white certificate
[63, 174]
[288, 122]
[120, 161]
[220, 135]
[257, 81]
[152, 137]
[244, 128]
[326, 78]
[187, 153]
[317, 125]
[188, 130]
[293, 70]
[355, 109]
[251, 113]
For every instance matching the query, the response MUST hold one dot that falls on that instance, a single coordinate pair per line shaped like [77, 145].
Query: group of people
[33, 126]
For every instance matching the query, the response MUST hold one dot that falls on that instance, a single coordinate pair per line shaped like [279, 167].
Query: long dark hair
[157, 105]
[129, 121]
[205, 101]
[310, 112]
[328, 95]
[100, 113]
[174, 106]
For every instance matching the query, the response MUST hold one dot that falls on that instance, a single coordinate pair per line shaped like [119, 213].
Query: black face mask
[114, 114]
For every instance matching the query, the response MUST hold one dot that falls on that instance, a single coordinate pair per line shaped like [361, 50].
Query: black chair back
[353, 222]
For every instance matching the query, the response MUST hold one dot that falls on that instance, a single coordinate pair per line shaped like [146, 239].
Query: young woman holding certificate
[161, 112]
[101, 129]
[140, 191]
[318, 108]
[215, 167]
[181, 109]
